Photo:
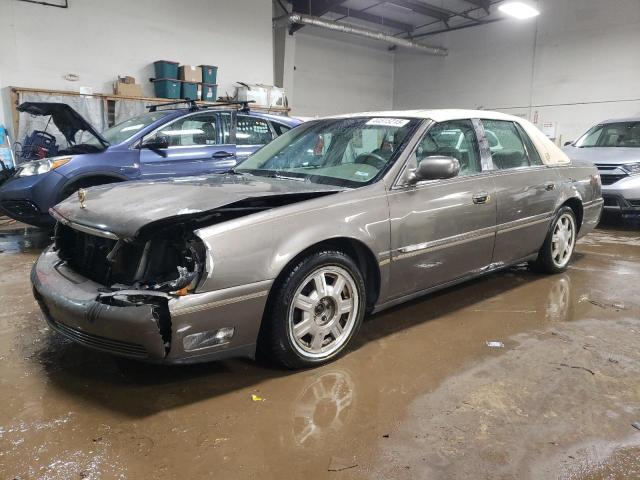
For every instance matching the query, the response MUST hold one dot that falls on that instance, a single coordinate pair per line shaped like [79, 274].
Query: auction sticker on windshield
[388, 122]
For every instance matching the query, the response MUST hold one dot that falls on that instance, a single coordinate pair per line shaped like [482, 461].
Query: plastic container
[167, 88]
[209, 74]
[209, 92]
[166, 69]
[189, 90]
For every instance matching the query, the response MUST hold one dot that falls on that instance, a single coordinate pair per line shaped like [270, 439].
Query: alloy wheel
[323, 312]
[563, 240]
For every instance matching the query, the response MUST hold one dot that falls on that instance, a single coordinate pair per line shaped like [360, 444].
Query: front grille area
[634, 203]
[87, 255]
[610, 201]
[607, 175]
[610, 179]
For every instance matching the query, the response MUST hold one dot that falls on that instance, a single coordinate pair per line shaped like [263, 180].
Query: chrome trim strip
[524, 222]
[432, 246]
[420, 248]
[218, 303]
[83, 228]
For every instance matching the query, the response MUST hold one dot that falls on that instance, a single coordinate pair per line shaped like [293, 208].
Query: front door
[526, 191]
[197, 146]
[442, 230]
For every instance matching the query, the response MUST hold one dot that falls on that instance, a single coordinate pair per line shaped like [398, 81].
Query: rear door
[526, 191]
[442, 230]
[251, 133]
[197, 146]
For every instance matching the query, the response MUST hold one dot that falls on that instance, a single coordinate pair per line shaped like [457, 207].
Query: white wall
[337, 73]
[577, 64]
[98, 39]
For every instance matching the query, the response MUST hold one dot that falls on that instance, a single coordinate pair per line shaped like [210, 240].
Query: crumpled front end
[138, 297]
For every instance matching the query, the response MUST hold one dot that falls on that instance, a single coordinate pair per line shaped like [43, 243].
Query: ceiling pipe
[300, 18]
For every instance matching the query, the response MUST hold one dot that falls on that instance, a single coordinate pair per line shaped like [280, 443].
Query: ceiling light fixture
[519, 10]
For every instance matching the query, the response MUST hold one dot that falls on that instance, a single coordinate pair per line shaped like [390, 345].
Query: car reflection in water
[324, 407]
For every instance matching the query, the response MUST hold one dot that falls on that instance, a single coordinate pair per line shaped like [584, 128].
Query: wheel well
[575, 205]
[83, 182]
[358, 251]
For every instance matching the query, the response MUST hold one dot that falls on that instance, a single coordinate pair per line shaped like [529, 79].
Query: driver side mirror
[159, 142]
[566, 144]
[435, 168]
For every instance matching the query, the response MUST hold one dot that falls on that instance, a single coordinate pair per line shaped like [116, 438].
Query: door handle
[481, 197]
[222, 155]
[549, 186]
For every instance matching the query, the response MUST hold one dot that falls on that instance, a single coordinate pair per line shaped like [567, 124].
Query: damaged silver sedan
[287, 253]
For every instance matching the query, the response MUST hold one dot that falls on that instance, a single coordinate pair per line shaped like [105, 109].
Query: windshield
[125, 130]
[346, 152]
[619, 134]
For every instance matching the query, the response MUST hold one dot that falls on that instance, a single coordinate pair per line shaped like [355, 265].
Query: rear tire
[314, 312]
[558, 247]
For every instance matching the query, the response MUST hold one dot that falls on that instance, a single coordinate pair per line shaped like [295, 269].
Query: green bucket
[189, 90]
[209, 74]
[209, 92]
[167, 88]
[166, 69]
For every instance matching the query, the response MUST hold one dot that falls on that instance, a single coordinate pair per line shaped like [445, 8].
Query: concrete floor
[421, 395]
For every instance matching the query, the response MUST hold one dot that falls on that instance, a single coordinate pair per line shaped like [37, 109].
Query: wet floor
[421, 395]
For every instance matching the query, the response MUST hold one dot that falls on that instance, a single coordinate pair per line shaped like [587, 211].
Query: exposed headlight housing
[42, 166]
[632, 168]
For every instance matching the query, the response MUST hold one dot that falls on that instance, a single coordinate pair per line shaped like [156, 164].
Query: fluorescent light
[519, 10]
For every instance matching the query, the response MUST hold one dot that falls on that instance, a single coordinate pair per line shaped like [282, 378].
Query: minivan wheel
[315, 312]
[558, 247]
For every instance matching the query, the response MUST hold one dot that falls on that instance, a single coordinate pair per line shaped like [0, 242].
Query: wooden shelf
[110, 97]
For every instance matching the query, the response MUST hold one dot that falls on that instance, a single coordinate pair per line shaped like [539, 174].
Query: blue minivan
[164, 142]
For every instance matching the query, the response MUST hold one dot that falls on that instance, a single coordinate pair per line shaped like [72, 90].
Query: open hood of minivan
[65, 118]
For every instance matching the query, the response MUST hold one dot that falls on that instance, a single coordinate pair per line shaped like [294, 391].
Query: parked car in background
[158, 144]
[286, 252]
[614, 147]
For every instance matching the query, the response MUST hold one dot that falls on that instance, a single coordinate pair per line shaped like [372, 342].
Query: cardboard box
[127, 89]
[127, 79]
[189, 73]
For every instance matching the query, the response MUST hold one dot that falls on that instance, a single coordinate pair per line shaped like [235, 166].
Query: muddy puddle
[421, 395]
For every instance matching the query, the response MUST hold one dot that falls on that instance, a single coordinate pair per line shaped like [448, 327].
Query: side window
[192, 130]
[252, 131]
[510, 151]
[456, 138]
[280, 128]
[534, 156]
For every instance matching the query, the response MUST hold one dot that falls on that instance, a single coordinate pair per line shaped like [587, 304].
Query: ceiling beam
[428, 10]
[484, 4]
[370, 17]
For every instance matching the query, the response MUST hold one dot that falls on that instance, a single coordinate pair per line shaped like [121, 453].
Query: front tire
[315, 311]
[558, 247]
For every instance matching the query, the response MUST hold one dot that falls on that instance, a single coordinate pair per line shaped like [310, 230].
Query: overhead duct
[300, 18]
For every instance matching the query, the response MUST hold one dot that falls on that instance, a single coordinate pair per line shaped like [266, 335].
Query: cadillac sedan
[286, 253]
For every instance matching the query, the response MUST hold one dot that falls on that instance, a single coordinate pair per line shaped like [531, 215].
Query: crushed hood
[65, 118]
[123, 209]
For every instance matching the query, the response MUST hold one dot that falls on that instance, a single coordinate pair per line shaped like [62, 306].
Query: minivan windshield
[348, 152]
[618, 134]
[125, 130]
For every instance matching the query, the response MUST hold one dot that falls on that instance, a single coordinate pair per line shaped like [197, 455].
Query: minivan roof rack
[193, 105]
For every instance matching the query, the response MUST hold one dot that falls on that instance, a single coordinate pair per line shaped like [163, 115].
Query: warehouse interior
[513, 375]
